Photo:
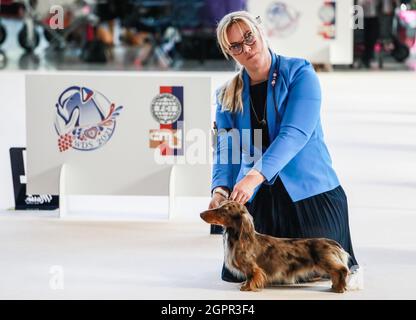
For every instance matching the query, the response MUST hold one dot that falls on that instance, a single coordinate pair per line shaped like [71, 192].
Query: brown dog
[262, 259]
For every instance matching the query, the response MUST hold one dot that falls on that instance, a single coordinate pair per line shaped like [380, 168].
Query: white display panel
[125, 163]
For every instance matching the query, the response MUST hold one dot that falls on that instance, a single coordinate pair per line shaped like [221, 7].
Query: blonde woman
[291, 190]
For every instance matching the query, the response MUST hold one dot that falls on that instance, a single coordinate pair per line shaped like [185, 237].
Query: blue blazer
[297, 151]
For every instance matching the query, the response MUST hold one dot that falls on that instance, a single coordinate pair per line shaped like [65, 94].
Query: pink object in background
[408, 17]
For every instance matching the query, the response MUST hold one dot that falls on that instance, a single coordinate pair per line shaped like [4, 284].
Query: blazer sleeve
[226, 155]
[298, 123]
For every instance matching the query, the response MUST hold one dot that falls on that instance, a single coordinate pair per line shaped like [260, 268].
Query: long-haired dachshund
[262, 259]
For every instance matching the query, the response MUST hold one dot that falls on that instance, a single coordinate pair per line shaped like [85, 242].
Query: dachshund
[263, 259]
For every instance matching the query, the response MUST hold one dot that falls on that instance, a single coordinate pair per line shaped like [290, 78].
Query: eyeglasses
[236, 48]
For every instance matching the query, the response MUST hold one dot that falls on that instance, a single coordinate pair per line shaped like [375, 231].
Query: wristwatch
[221, 191]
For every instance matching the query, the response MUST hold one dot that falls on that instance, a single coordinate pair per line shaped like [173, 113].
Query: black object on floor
[25, 201]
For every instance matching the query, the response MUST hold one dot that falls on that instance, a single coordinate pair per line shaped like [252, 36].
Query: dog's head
[230, 214]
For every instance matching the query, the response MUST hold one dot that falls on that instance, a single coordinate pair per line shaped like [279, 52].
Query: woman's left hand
[244, 189]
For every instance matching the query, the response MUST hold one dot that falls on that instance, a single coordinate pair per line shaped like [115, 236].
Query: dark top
[258, 94]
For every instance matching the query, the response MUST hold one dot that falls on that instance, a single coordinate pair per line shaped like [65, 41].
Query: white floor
[370, 125]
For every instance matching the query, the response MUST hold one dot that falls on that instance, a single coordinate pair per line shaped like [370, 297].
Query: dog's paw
[245, 286]
[339, 289]
[249, 287]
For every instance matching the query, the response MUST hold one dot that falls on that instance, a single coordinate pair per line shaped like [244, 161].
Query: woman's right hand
[216, 201]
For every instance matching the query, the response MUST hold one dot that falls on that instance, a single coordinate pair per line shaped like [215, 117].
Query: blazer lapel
[245, 115]
[281, 91]
[271, 109]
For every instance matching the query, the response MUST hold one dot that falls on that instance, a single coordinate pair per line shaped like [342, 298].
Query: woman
[291, 189]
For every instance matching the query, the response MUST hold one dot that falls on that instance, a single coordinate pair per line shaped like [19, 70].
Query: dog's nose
[206, 216]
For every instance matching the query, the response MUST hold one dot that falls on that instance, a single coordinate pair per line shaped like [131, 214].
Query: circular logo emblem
[166, 108]
[327, 13]
[85, 119]
[282, 20]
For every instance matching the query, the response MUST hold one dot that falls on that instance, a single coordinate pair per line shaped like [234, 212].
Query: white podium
[118, 134]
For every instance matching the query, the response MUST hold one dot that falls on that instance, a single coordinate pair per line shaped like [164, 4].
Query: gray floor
[369, 122]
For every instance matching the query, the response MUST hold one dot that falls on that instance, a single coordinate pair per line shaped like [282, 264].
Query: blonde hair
[230, 95]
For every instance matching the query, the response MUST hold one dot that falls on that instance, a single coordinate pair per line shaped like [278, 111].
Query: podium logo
[282, 20]
[85, 119]
[327, 14]
[167, 108]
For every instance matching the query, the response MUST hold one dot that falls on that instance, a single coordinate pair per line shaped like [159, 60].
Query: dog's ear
[247, 226]
[222, 201]
[212, 216]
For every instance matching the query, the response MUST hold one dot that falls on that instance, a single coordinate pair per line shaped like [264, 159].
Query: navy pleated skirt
[321, 216]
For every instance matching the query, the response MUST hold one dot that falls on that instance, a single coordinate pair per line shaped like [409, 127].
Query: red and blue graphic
[327, 14]
[85, 119]
[282, 20]
[168, 109]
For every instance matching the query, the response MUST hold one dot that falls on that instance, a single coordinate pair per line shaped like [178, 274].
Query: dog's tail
[355, 278]
[343, 256]
[340, 253]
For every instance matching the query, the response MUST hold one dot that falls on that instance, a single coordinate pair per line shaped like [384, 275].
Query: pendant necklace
[263, 122]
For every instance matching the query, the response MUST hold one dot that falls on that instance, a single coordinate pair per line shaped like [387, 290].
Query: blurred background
[113, 34]
[179, 35]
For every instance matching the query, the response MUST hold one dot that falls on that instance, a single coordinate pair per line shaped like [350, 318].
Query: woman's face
[246, 47]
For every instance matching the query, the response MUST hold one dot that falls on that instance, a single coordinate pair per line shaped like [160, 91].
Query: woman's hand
[216, 200]
[244, 189]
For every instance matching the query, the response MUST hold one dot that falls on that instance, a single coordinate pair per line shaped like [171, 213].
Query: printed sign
[282, 19]
[85, 119]
[327, 14]
[167, 109]
[131, 154]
